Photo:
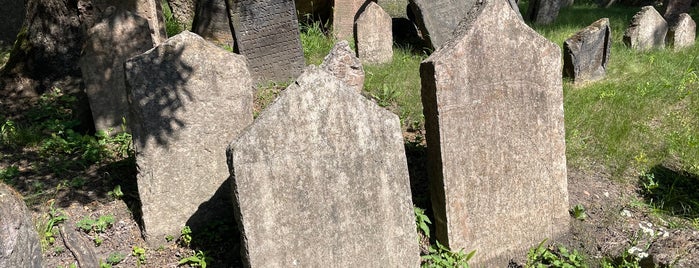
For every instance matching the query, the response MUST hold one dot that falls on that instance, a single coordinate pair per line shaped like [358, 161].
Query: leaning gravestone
[543, 11]
[344, 14]
[647, 30]
[189, 98]
[437, 19]
[586, 53]
[267, 33]
[118, 36]
[343, 64]
[683, 33]
[331, 191]
[151, 10]
[12, 13]
[374, 38]
[19, 241]
[495, 137]
[212, 22]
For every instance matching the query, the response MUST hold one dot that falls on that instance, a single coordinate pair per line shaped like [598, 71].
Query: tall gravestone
[683, 33]
[344, 14]
[495, 137]
[343, 64]
[188, 98]
[118, 36]
[213, 23]
[586, 53]
[437, 19]
[12, 13]
[543, 11]
[647, 30]
[151, 10]
[374, 38]
[267, 33]
[19, 241]
[331, 191]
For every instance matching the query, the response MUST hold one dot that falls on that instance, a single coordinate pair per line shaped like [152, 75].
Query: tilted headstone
[683, 33]
[12, 13]
[344, 14]
[19, 241]
[184, 11]
[437, 19]
[343, 64]
[267, 33]
[543, 11]
[374, 38]
[331, 191]
[495, 137]
[151, 10]
[586, 53]
[189, 98]
[395, 8]
[118, 36]
[213, 23]
[647, 30]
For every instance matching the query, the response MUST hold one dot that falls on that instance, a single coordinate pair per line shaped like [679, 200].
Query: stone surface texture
[213, 23]
[683, 33]
[437, 19]
[345, 12]
[151, 10]
[395, 8]
[495, 137]
[19, 241]
[647, 30]
[343, 64]
[118, 36]
[331, 191]
[12, 13]
[189, 99]
[183, 10]
[543, 11]
[267, 33]
[586, 53]
[374, 37]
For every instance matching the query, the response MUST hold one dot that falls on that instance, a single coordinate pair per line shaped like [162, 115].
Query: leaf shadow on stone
[674, 191]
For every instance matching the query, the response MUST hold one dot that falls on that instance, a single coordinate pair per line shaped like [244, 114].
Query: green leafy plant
[115, 258]
[98, 240]
[99, 225]
[185, 236]
[441, 256]
[544, 257]
[422, 221]
[8, 174]
[140, 254]
[8, 131]
[578, 212]
[55, 216]
[198, 260]
[386, 96]
[169, 238]
[116, 193]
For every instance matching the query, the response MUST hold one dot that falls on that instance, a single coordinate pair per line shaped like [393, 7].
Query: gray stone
[118, 36]
[19, 241]
[188, 99]
[344, 14]
[437, 19]
[343, 64]
[183, 10]
[495, 137]
[543, 11]
[683, 33]
[647, 30]
[395, 8]
[213, 23]
[267, 33]
[151, 10]
[321, 180]
[12, 13]
[374, 38]
[586, 53]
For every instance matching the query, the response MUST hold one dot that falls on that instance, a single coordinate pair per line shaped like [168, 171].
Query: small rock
[626, 213]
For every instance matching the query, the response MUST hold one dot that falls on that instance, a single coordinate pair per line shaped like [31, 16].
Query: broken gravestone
[267, 33]
[334, 186]
[212, 22]
[374, 38]
[683, 33]
[586, 53]
[647, 30]
[495, 137]
[150, 10]
[344, 14]
[188, 98]
[118, 36]
[343, 64]
[437, 19]
[12, 13]
[19, 241]
[543, 11]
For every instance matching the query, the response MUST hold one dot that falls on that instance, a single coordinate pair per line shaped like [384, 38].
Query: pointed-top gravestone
[344, 14]
[331, 191]
[343, 64]
[267, 34]
[117, 37]
[374, 38]
[437, 19]
[213, 23]
[188, 98]
[495, 137]
[543, 11]
[586, 53]
[682, 34]
[647, 30]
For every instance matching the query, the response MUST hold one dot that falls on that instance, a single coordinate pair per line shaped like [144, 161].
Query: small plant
[116, 193]
[169, 238]
[198, 260]
[115, 258]
[99, 225]
[8, 130]
[98, 240]
[140, 254]
[543, 257]
[441, 256]
[55, 217]
[386, 96]
[8, 174]
[105, 265]
[422, 221]
[578, 212]
[186, 236]
[649, 183]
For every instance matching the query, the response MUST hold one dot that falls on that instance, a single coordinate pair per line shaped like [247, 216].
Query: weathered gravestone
[344, 14]
[267, 33]
[394, 8]
[543, 11]
[586, 53]
[331, 191]
[19, 241]
[343, 64]
[184, 11]
[683, 33]
[12, 13]
[495, 137]
[213, 23]
[437, 19]
[374, 38]
[151, 10]
[189, 98]
[647, 30]
[118, 36]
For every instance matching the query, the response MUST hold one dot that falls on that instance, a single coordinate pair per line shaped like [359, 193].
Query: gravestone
[118, 36]
[437, 19]
[374, 38]
[343, 64]
[394, 8]
[19, 241]
[335, 186]
[683, 33]
[543, 11]
[586, 53]
[188, 98]
[183, 10]
[647, 30]
[344, 14]
[267, 33]
[150, 10]
[12, 13]
[212, 22]
[495, 137]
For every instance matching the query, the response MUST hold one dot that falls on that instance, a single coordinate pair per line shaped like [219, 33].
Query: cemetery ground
[632, 151]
